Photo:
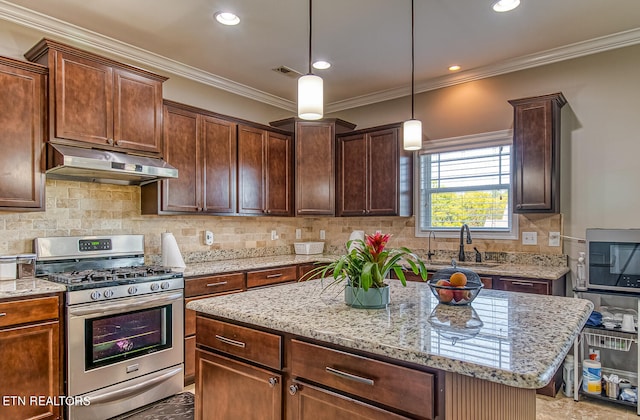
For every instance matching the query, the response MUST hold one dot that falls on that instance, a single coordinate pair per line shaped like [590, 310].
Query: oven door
[115, 341]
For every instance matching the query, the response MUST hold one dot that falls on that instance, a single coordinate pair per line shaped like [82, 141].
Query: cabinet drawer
[391, 385]
[525, 286]
[256, 346]
[271, 276]
[190, 315]
[28, 310]
[213, 284]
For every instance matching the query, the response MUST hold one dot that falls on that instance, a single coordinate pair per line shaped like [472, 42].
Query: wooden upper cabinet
[374, 173]
[22, 105]
[100, 102]
[203, 149]
[264, 172]
[218, 137]
[314, 163]
[536, 153]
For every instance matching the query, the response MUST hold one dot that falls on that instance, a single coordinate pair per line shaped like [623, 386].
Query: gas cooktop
[91, 279]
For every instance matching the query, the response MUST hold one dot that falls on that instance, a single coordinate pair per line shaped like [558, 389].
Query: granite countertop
[27, 287]
[522, 341]
[241, 264]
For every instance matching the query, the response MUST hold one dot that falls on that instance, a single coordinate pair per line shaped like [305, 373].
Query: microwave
[613, 259]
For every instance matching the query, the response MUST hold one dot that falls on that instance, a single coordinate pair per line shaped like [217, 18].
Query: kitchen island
[288, 333]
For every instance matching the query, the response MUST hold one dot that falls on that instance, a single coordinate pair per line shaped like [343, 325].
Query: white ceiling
[367, 41]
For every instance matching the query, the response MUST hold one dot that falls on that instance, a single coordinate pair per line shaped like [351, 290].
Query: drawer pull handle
[273, 276]
[273, 381]
[3, 314]
[349, 376]
[230, 341]
[222, 283]
[522, 283]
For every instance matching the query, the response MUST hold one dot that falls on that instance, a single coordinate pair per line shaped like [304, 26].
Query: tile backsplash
[79, 208]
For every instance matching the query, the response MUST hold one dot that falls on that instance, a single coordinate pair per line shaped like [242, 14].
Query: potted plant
[365, 267]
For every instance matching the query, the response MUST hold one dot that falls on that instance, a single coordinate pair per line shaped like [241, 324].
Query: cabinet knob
[518, 206]
[110, 141]
[273, 381]
[293, 389]
[364, 211]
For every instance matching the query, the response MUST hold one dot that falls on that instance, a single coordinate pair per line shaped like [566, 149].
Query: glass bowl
[452, 295]
[455, 323]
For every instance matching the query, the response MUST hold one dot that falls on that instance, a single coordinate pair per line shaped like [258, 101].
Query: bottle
[581, 280]
[567, 375]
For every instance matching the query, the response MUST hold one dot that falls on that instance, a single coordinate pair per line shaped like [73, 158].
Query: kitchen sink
[475, 264]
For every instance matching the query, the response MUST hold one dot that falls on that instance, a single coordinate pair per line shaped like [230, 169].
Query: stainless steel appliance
[124, 322]
[613, 259]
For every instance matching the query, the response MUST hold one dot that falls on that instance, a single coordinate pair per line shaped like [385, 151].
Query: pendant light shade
[412, 134]
[310, 87]
[412, 129]
[310, 97]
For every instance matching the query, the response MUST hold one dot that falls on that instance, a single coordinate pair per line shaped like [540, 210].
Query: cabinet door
[21, 119]
[181, 149]
[279, 180]
[251, 170]
[536, 153]
[315, 170]
[229, 390]
[352, 175]
[218, 138]
[30, 366]
[307, 402]
[383, 172]
[137, 112]
[83, 100]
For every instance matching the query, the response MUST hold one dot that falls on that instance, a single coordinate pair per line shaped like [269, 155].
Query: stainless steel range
[124, 322]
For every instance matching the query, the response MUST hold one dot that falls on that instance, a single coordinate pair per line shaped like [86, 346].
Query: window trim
[475, 141]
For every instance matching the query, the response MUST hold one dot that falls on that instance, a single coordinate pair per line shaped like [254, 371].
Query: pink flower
[376, 243]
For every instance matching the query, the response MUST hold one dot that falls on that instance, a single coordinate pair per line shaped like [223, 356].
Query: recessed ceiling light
[321, 65]
[227, 18]
[505, 5]
[454, 68]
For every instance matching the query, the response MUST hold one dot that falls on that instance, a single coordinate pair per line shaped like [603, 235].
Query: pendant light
[412, 129]
[310, 97]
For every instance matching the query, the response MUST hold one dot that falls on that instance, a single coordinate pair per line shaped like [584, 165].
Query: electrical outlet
[274, 235]
[554, 238]
[208, 237]
[298, 233]
[322, 234]
[529, 238]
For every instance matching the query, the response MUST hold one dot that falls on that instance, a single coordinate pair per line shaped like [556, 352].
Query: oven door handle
[133, 389]
[103, 308]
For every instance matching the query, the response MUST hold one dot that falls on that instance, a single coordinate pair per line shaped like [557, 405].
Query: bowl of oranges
[455, 286]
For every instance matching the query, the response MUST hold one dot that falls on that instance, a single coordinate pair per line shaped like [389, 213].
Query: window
[467, 180]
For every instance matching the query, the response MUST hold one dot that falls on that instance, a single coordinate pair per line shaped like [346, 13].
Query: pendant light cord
[310, 32]
[413, 59]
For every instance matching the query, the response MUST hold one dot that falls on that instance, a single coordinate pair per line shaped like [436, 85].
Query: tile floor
[563, 408]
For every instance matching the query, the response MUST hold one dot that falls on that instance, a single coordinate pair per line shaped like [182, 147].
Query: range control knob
[154, 286]
[95, 295]
[108, 293]
[132, 290]
[165, 285]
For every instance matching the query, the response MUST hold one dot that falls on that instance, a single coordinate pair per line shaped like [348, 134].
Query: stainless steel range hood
[92, 165]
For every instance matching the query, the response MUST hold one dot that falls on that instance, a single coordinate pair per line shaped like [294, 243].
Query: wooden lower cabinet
[230, 389]
[30, 357]
[308, 402]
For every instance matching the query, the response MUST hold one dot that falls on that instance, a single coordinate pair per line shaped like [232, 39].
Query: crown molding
[578, 49]
[52, 26]
[78, 35]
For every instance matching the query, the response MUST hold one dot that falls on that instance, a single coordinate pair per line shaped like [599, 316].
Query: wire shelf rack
[609, 340]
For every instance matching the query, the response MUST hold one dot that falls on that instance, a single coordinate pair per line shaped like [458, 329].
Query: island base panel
[472, 398]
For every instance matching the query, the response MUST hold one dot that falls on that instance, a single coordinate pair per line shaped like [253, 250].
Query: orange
[458, 279]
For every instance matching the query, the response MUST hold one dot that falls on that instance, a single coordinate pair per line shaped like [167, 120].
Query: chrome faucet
[429, 253]
[462, 229]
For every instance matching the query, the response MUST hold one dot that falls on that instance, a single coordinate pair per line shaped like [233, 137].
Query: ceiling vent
[287, 71]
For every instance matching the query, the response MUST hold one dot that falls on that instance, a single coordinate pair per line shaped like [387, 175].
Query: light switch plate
[298, 233]
[529, 238]
[274, 235]
[322, 234]
[554, 238]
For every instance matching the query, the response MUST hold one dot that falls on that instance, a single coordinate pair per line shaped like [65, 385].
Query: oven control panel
[95, 245]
